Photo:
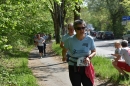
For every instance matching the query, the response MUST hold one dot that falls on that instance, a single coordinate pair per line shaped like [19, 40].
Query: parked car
[108, 35]
[126, 36]
[99, 34]
[93, 33]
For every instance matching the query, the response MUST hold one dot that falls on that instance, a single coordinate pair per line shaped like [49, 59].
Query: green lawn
[14, 70]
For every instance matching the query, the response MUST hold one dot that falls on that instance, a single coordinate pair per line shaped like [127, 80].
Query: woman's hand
[86, 61]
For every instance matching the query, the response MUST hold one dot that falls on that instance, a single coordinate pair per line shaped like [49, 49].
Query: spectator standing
[35, 37]
[49, 37]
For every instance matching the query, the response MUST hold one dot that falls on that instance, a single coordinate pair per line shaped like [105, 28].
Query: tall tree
[22, 17]
[58, 13]
[116, 11]
[98, 14]
[77, 11]
[126, 4]
[58, 10]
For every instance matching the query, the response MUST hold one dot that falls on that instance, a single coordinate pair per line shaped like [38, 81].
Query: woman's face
[38, 35]
[80, 29]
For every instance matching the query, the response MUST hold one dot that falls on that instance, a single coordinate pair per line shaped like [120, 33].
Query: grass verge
[56, 48]
[14, 70]
[103, 67]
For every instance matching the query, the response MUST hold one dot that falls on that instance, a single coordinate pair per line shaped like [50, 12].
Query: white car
[126, 36]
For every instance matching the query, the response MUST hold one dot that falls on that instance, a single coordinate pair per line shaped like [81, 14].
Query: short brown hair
[78, 22]
[124, 43]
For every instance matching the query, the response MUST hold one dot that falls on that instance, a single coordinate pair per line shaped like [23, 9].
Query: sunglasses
[79, 28]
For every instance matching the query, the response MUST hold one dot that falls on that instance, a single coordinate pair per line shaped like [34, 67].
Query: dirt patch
[51, 71]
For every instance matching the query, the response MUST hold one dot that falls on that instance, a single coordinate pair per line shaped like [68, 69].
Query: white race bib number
[80, 62]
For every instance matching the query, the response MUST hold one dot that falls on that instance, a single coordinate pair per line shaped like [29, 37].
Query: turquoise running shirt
[64, 38]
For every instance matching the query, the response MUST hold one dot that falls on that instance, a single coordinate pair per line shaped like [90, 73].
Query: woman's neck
[39, 37]
[80, 37]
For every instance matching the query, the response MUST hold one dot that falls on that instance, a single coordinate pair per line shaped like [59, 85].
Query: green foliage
[126, 3]
[56, 48]
[97, 14]
[20, 20]
[3, 40]
[102, 66]
[14, 70]
[107, 15]
[105, 70]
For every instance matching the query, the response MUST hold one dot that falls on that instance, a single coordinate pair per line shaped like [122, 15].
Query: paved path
[50, 71]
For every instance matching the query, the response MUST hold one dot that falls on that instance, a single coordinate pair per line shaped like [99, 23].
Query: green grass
[56, 48]
[102, 66]
[14, 70]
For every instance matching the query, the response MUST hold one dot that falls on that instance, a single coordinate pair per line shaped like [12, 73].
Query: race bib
[80, 62]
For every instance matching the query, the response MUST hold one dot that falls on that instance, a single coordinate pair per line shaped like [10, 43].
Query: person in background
[118, 47]
[40, 40]
[82, 49]
[44, 44]
[69, 34]
[54, 35]
[49, 37]
[35, 37]
[88, 31]
[123, 65]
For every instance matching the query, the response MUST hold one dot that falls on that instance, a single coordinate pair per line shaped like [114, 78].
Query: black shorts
[40, 48]
[79, 77]
[44, 45]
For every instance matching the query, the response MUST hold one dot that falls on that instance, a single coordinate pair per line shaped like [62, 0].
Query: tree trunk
[63, 15]
[56, 21]
[58, 15]
[77, 11]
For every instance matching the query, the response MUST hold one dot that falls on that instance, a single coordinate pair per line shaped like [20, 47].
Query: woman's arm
[87, 59]
[64, 51]
[43, 40]
[62, 45]
[93, 53]
[118, 57]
